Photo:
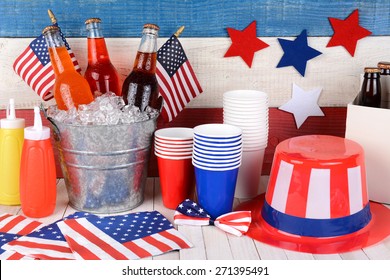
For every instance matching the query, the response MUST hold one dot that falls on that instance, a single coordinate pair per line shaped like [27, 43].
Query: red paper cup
[177, 180]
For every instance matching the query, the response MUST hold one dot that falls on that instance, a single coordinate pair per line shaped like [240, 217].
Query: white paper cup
[244, 94]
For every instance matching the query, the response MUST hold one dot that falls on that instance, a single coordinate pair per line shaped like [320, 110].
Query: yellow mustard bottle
[11, 144]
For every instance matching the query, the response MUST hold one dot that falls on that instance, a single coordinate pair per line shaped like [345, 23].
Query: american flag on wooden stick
[122, 237]
[34, 67]
[176, 78]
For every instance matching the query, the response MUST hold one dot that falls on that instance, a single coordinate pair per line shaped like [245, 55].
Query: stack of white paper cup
[248, 109]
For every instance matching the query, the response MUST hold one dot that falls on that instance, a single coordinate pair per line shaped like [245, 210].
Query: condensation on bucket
[104, 167]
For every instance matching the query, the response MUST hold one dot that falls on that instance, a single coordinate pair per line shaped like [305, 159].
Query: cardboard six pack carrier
[370, 127]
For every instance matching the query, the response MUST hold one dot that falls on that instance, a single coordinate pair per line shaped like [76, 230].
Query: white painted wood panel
[268, 252]
[243, 248]
[210, 242]
[335, 70]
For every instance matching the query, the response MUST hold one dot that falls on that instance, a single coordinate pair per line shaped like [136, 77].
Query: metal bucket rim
[90, 126]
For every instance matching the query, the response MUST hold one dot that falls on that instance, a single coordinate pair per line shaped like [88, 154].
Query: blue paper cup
[215, 190]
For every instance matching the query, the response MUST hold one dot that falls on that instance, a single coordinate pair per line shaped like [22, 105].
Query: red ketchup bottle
[37, 171]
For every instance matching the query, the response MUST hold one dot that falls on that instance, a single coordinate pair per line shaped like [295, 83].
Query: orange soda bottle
[100, 74]
[70, 88]
[37, 171]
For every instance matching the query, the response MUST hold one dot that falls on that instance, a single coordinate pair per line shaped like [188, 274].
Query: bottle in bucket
[140, 88]
[37, 171]
[70, 88]
[100, 74]
[11, 143]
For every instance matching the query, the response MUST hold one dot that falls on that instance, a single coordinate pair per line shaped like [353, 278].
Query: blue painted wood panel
[202, 18]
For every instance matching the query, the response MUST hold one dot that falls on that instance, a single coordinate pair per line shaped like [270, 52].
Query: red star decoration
[245, 43]
[347, 32]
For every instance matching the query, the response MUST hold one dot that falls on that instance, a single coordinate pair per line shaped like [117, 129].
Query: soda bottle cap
[50, 28]
[91, 20]
[372, 70]
[151, 26]
[11, 121]
[384, 65]
[37, 132]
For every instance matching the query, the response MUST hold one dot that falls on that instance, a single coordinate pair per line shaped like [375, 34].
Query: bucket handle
[56, 130]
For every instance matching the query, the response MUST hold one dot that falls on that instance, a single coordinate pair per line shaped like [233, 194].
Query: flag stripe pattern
[320, 183]
[190, 213]
[177, 81]
[47, 242]
[314, 206]
[34, 67]
[12, 227]
[121, 237]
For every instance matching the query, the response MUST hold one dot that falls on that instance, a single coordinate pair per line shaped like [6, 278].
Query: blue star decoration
[297, 53]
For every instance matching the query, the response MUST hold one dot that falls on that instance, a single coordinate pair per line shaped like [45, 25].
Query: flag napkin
[46, 243]
[176, 79]
[190, 213]
[121, 237]
[34, 67]
[11, 228]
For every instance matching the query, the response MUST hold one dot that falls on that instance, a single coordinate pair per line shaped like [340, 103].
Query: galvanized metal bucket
[104, 166]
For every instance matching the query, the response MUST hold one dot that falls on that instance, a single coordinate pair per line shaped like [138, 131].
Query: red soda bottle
[37, 171]
[100, 74]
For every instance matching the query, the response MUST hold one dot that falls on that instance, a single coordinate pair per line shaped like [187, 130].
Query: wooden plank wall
[205, 41]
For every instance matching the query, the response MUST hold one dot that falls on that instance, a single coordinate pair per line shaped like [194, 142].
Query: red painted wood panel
[281, 126]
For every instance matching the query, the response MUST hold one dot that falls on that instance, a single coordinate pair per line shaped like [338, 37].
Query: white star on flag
[303, 104]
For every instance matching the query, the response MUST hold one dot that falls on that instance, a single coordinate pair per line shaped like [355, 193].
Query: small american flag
[12, 227]
[130, 236]
[34, 66]
[190, 213]
[176, 78]
[46, 243]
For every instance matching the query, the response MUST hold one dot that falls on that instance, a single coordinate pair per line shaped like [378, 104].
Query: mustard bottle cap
[11, 121]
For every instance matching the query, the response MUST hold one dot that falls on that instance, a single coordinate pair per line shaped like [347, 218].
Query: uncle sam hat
[317, 200]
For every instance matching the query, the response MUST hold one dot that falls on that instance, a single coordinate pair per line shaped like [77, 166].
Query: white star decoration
[303, 104]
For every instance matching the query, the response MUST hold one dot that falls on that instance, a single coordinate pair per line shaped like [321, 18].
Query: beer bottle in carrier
[100, 74]
[37, 171]
[385, 80]
[11, 144]
[70, 88]
[140, 88]
[370, 93]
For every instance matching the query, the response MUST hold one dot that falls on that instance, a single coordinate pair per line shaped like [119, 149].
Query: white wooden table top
[209, 242]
